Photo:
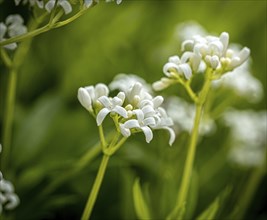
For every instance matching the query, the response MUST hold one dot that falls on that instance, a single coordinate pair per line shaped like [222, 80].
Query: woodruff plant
[133, 109]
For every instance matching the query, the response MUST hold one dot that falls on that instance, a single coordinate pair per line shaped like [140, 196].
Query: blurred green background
[52, 130]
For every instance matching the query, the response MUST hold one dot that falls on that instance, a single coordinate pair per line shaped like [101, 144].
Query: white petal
[148, 133]
[132, 123]
[84, 99]
[139, 114]
[148, 110]
[160, 85]
[224, 38]
[13, 201]
[186, 70]
[50, 5]
[121, 96]
[14, 19]
[101, 90]
[157, 101]
[101, 115]
[187, 45]
[3, 30]
[167, 68]
[105, 101]
[120, 110]
[118, 1]
[149, 121]
[172, 135]
[125, 131]
[174, 59]
[66, 6]
[12, 46]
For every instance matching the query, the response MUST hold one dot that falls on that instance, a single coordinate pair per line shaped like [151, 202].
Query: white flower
[144, 119]
[111, 105]
[242, 82]
[8, 199]
[188, 29]
[124, 82]
[88, 96]
[163, 83]
[183, 114]
[248, 132]
[39, 3]
[12, 27]
[179, 66]
[63, 3]
[136, 94]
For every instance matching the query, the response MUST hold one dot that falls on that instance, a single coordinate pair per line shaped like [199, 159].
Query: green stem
[183, 192]
[190, 159]
[94, 192]
[8, 116]
[102, 137]
[45, 28]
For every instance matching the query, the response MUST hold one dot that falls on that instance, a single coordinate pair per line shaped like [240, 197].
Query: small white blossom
[242, 82]
[63, 3]
[12, 27]
[143, 121]
[111, 105]
[124, 82]
[88, 96]
[248, 133]
[39, 3]
[8, 199]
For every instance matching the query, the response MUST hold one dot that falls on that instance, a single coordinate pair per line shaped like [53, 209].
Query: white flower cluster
[201, 53]
[12, 27]
[183, 114]
[8, 199]
[242, 82]
[49, 5]
[133, 108]
[248, 132]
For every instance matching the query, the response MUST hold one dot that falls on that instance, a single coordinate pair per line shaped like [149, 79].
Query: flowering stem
[51, 25]
[183, 192]
[94, 192]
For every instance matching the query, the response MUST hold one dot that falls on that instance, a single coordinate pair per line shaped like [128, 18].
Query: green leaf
[211, 211]
[177, 213]
[140, 205]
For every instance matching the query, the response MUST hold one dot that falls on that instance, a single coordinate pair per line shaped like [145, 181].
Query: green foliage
[140, 204]
[52, 131]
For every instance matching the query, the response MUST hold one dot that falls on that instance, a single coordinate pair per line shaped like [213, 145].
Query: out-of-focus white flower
[63, 3]
[12, 27]
[111, 105]
[248, 133]
[124, 82]
[8, 199]
[188, 29]
[183, 115]
[143, 121]
[39, 3]
[88, 95]
[242, 82]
